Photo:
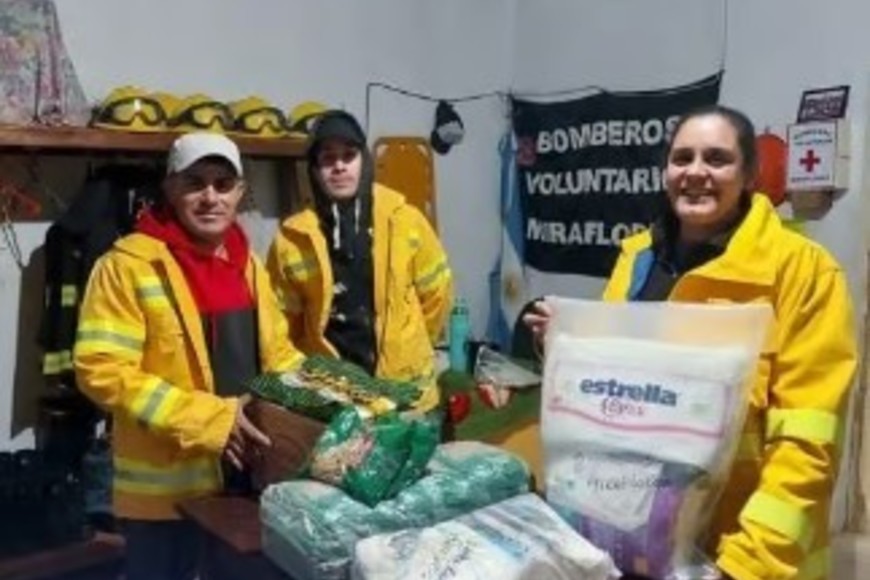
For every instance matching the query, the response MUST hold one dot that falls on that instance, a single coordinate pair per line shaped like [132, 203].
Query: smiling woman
[711, 167]
[717, 241]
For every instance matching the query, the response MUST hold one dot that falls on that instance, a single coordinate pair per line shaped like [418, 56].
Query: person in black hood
[341, 172]
[361, 272]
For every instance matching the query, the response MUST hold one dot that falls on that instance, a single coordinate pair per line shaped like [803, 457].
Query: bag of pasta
[373, 459]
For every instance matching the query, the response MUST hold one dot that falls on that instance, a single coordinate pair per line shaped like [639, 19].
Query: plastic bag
[643, 406]
[373, 460]
[501, 371]
[521, 538]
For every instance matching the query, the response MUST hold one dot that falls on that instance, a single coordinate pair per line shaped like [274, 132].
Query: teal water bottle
[460, 327]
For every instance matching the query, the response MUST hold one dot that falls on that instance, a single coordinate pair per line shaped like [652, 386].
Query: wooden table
[232, 550]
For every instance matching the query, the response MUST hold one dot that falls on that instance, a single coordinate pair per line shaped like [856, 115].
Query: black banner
[590, 171]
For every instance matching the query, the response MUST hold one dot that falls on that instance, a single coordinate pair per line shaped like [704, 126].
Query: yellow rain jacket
[412, 294]
[141, 355]
[772, 520]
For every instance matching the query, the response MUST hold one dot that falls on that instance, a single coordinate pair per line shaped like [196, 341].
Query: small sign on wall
[817, 154]
[823, 104]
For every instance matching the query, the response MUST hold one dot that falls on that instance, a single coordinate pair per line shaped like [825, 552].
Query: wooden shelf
[100, 550]
[71, 140]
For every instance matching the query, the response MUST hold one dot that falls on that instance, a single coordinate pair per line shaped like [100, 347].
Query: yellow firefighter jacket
[772, 521]
[141, 355]
[412, 288]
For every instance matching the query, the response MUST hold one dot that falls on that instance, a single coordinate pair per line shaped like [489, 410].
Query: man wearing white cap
[176, 318]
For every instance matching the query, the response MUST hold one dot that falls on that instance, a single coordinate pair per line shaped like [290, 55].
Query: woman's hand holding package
[539, 319]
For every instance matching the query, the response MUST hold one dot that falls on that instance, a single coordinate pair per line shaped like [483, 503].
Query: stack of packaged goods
[332, 421]
[310, 528]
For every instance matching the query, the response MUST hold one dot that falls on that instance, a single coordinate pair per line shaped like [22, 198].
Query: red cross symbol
[809, 160]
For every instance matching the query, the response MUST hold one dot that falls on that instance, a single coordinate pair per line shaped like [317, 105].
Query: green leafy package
[373, 459]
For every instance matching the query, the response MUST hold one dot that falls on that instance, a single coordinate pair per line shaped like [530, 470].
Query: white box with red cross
[818, 156]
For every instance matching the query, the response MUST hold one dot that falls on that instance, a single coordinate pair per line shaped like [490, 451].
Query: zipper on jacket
[387, 295]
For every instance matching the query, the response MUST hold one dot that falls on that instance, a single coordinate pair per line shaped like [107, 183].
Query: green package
[323, 386]
[373, 459]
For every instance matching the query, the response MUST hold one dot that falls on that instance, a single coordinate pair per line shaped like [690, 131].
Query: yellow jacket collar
[385, 202]
[142, 246]
[145, 247]
[750, 254]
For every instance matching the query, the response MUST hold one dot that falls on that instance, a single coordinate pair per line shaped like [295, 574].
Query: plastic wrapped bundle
[521, 538]
[310, 528]
[640, 423]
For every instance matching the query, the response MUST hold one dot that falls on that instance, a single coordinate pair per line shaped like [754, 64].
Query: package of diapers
[643, 406]
[521, 538]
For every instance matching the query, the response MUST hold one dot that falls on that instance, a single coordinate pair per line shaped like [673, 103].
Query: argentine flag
[508, 282]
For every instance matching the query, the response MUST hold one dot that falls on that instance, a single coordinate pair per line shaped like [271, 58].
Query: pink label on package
[632, 400]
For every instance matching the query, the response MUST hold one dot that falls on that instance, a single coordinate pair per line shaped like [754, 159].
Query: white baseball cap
[190, 148]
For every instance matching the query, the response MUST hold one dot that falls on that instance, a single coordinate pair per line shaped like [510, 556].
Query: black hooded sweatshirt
[347, 226]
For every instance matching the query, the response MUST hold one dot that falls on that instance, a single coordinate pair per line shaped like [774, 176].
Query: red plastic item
[772, 160]
[458, 407]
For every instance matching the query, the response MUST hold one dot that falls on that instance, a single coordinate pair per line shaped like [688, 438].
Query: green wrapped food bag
[373, 459]
[425, 438]
[323, 386]
[276, 388]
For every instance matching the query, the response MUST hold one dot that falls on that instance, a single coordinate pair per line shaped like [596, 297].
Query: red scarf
[218, 284]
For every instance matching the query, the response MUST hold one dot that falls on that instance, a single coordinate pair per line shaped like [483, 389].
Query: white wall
[287, 52]
[775, 50]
